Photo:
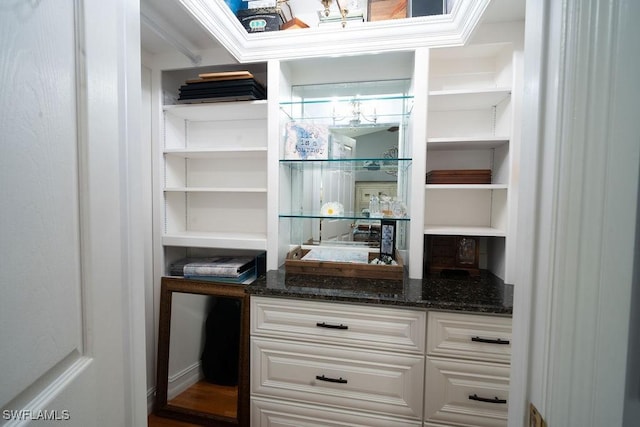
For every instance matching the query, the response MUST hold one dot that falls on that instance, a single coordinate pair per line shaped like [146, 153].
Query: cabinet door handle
[490, 341]
[331, 380]
[326, 325]
[488, 400]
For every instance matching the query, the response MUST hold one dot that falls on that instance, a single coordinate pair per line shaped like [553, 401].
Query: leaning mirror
[203, 371]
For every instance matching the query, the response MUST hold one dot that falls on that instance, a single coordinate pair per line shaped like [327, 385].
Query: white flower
[332, 209]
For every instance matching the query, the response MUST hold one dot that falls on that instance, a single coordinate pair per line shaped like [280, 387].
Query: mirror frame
[169, 286]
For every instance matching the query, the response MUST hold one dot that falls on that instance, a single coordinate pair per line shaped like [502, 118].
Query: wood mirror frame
[169, 286]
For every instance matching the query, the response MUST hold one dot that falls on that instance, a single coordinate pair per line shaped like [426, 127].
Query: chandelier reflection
[355, 114]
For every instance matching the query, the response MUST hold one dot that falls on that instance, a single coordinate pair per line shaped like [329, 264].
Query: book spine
[210, 271]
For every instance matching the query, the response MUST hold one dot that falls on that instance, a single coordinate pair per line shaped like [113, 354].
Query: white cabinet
[467, 370]
[267, 412]
[214, 174]
[469, 336]
[471, 126]
[357, 379]
[339, 324]
[360, 361]
[468, 393]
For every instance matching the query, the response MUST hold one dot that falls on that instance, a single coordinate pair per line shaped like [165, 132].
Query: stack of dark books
[225, 269]
[224, 86]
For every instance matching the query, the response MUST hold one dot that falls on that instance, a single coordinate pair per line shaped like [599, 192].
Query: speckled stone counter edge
[442, 291]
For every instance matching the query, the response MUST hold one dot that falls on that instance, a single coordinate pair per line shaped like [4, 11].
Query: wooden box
[295, 265]
[459, 176]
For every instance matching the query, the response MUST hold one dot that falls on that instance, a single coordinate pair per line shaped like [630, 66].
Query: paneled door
[71, 295]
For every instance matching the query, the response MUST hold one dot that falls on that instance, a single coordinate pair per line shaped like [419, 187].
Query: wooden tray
[295, 265]
[459, 176]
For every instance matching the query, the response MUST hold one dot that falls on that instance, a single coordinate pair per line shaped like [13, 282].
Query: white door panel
[39, 240]
[69, 349]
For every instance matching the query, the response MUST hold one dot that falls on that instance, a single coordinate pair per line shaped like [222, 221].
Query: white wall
[150, 319]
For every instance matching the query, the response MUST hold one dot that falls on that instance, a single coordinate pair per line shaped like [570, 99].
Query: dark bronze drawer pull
[331, 380]
[326, 325]
[484, 399]
[490, 341]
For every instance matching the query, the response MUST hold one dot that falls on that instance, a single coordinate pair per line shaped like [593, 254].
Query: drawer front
[364, 380]
[466, 393]
[469, 336]
[270, 413]
[342, 324]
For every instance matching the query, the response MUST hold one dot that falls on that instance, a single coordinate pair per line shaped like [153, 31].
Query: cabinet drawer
[270, 413]
[469, 336]
[466, 393]
[343, 324]
[372, 381]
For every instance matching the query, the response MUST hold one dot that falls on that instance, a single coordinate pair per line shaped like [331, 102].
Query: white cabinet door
[376, 382]
[466, 393]
[382, 328]
[270, 413]
[469, 336]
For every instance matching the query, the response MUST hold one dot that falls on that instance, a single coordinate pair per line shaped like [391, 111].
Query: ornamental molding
[453, 29]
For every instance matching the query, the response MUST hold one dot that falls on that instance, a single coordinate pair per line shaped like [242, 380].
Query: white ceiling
[174, 22]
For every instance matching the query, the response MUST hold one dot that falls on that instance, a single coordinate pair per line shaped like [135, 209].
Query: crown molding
[453, 29]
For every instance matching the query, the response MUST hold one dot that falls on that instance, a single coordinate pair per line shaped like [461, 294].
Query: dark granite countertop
[441, 291]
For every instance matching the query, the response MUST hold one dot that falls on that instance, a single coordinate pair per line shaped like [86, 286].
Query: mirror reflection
[202, 373]
[374, 178]
[346, 160]
[340, 13]
[204, 353]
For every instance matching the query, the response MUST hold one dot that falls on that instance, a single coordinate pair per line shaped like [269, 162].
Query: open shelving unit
[214, 175]
[470, 126]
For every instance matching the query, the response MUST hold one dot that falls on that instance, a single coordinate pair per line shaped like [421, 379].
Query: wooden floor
[156, 421]
[202, 397]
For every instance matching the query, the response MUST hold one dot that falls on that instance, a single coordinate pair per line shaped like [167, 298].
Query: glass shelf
[346, 215]
[347, 100]
[358, 104]
[373, 164]
[352, 112]
[376, 89]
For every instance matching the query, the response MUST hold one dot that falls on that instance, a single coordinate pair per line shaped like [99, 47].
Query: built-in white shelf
[219, 111]
[467, 99]
[216, 190]
[466, 186]
[464, 231]
[217, 153]
[467, 143]
[232, 240]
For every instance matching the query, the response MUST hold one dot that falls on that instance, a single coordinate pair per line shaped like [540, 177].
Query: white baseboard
[184, 379]
[177, 383]
[151, 399]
